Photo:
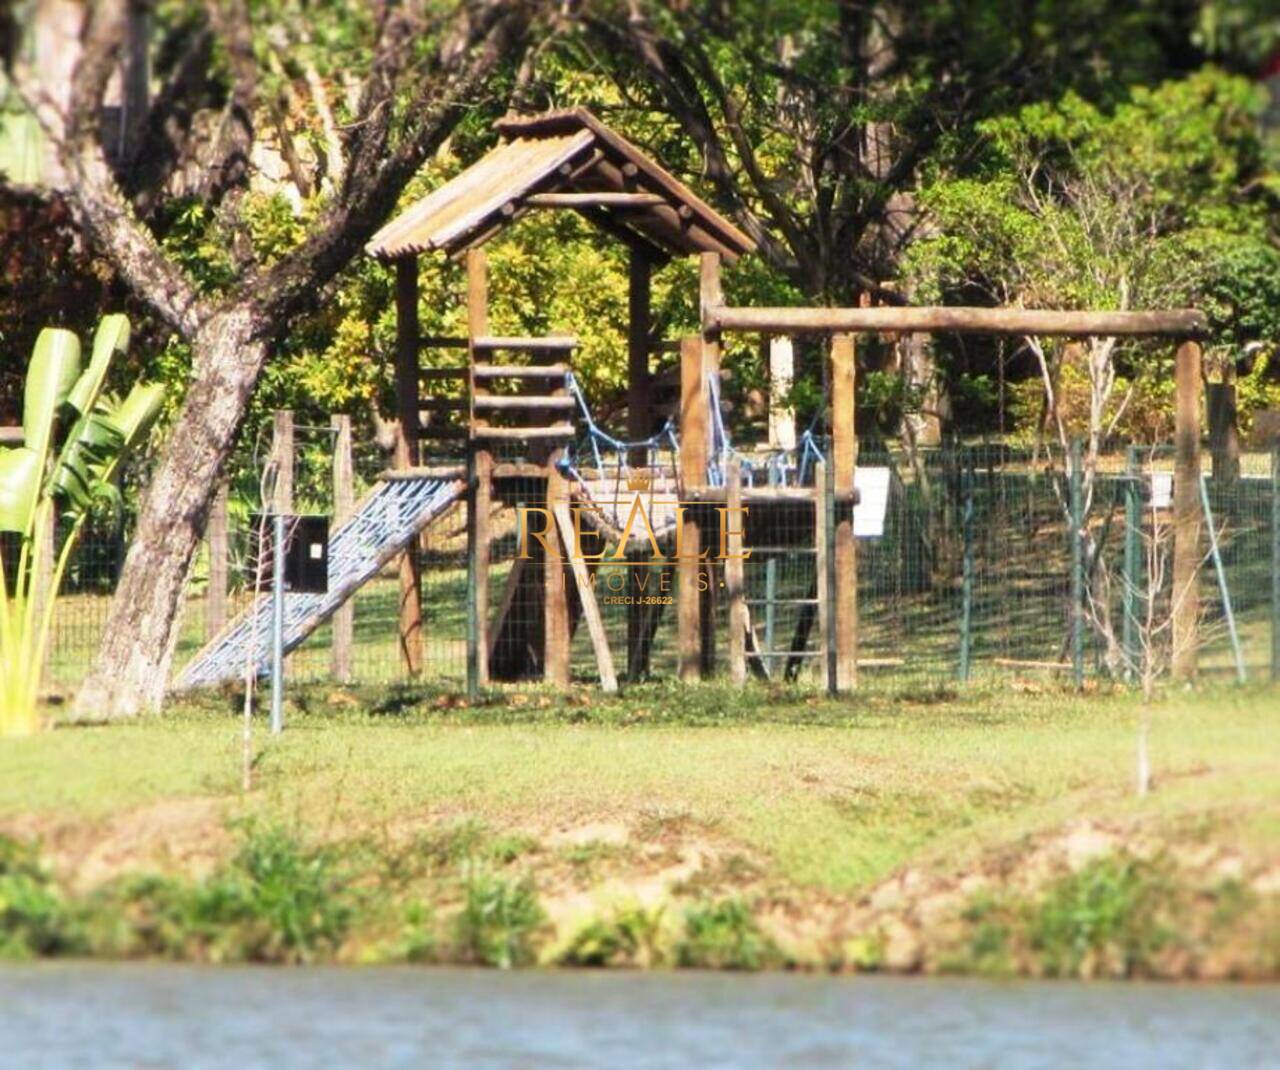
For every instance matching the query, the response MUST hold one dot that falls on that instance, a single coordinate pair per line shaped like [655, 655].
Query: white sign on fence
[872, 485]
[1162, 490]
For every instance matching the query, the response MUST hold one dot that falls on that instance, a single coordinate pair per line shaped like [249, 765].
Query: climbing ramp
[388, 519]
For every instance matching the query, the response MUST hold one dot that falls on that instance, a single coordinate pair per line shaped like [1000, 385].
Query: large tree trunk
[132, 669]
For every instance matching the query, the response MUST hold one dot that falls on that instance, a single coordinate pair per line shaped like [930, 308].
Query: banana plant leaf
[20, 471]
[51, 375]
[99, 441]
[112, 337]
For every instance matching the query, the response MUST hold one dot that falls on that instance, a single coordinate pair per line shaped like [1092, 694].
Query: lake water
[149, 1016]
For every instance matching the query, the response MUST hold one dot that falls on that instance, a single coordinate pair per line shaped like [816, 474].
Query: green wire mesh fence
[971, 574]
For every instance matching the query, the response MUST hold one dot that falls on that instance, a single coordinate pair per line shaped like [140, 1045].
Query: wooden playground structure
[512, 406]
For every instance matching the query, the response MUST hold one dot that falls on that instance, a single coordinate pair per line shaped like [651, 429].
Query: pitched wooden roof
[563, 159]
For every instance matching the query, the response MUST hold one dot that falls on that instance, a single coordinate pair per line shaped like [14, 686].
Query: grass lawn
[829, 795]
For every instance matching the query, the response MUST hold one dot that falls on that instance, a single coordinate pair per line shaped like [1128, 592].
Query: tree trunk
[132, 667]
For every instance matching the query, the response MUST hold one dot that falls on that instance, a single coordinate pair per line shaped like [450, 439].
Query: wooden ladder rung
[429, 375]
[510, 402]
[564, 430]
[554, 343]
[443, 404]
[520, 371]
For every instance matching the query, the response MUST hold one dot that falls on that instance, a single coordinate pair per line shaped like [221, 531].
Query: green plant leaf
[138, 411]
[92, 449]
[54, 368]
[19, 488]
[112, 337]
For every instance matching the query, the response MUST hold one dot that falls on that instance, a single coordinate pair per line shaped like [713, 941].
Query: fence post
[1132, 540]
[1077, 565]
[733, 521]
[344, 493]
[966, 584]
[828, 579]
[1187, 516]
[282, 456]
[215, 618]
[1275, 561]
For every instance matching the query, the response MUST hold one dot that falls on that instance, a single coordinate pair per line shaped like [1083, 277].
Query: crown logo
[639, 481]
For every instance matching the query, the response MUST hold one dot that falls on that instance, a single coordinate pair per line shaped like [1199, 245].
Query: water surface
[160, 1016]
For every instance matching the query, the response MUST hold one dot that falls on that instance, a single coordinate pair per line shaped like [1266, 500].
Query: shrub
[630, 936]
[34, 919]
[276, 900]
[723, 935]
[1105, 918]
[498, 920]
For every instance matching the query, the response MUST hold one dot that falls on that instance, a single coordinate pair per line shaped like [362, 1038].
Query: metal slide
[388, 519]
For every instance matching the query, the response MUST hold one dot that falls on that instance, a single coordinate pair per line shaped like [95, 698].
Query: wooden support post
[732, 520]
[845, 450]
[711, 298]
[479, 543]
[1224, 435]
[407, 344]
[215, 605]
[782, 370]
[639, 424]
[693, 475]
[282, 459]
[1187, 516]
[821, 556]
[556, 631]
[344, 497]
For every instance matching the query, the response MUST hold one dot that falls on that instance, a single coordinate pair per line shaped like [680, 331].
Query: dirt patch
[176, 835]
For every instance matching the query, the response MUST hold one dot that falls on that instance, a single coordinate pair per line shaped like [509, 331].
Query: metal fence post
[829, 524]
[966, 585]
[1132, 544]
[277, 624]
[1077, 565]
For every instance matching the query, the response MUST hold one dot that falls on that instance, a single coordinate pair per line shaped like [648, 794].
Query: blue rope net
[611, 455]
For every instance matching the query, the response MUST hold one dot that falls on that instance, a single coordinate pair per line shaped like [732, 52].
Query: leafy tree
[414, 73]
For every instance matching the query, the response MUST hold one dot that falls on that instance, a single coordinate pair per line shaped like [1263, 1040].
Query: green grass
[830, 794]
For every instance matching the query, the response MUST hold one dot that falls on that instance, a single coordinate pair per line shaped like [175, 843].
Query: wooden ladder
[530, 399]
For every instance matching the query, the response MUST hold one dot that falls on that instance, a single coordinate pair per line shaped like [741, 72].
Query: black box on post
[306, 552]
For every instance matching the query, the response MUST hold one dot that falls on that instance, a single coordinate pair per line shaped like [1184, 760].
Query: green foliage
[1163, 200]
[1110, 917]
[275, 900]
[723, 935]
[498, 920]
[34, 918]
[74, 439]
[626, 936]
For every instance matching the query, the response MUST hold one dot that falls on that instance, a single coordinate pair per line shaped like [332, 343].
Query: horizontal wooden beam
[11, 436]
[520, 371]
[594, 200]
[1177, 323]
[761, 495]
[428, 375]
[549, 343]
[523, 402]
[516, 434]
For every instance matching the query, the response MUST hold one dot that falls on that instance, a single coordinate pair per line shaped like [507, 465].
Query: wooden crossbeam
[594, 200]
[1177, 323]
